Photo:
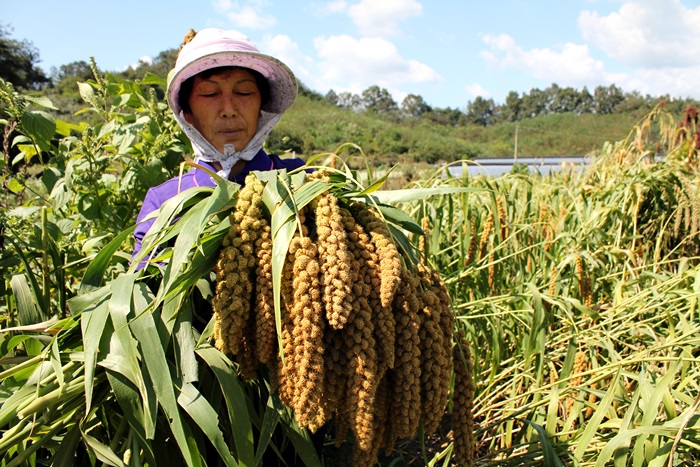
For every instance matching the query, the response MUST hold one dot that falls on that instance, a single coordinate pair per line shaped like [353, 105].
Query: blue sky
[448, 52]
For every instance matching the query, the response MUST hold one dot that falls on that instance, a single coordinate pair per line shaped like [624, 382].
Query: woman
[226, 97]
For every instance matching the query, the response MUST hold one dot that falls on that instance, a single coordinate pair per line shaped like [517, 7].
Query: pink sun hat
[212, 48]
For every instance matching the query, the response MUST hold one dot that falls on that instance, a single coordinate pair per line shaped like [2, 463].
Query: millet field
[343, 315]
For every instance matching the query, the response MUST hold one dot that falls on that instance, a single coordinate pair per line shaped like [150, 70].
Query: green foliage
[555, 100]
[18, 62]
[74, 187]
[519, 169]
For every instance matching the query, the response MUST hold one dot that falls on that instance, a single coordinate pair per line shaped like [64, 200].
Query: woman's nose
[229, 105]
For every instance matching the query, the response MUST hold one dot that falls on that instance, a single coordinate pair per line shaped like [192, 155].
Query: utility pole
[515, 152]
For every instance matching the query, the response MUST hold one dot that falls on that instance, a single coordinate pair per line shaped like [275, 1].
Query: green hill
[315, 125]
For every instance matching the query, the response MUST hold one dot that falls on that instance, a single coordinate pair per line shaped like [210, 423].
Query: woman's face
[225, 107]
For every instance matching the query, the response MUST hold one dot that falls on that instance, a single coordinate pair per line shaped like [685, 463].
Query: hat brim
[283, 84]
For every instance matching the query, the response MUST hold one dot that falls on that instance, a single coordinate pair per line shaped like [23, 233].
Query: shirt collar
[261, 161]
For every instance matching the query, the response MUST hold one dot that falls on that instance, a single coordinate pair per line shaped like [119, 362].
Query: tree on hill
[66, 77]
[607, 98]
[304, 90]
[481, 111]
[565, 100]
[332, 97]
[18, 62]
[376, 99]
[586, 103]
[349, 100]
[413, 105]
[447, 116]
[534, 103]
[161, 65]
[512, 110]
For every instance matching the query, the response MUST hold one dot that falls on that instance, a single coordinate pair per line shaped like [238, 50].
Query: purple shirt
[156, 196]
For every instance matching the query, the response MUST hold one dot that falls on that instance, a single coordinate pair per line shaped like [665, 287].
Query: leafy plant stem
[36, 445]
[58, 395]
[45, 264]
[20, 367]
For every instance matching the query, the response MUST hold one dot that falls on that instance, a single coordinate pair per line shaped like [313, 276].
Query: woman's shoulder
[175, 185]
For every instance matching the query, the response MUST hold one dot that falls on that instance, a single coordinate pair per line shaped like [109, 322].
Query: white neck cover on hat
[206, 151]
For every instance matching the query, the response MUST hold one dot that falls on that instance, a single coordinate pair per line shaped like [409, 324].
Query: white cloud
[377, 17]
[282, 47]
[646, 33]
[571, 64]
[145, 59]
[676, 82]
[336, 6]
[248, 17]
[476, 90]
[221, 5]
[245, 14]
[348, 63]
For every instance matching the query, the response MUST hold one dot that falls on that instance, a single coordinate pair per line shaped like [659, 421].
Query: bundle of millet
[367, 336]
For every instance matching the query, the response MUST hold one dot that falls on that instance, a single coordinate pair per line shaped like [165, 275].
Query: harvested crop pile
[363, 333]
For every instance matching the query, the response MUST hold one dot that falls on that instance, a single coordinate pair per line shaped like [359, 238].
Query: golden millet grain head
[436, 361]
[678, 219]
[423, 240]
[363, 378]
[473, 243]
[406, 404]
[491, 272]
[485, 234]
[306, 370]
[580, 362]
[231, 303]
[366, 290]
[387, 253]
[463, 397]
[336, 364]
[580, 366]
[237, 265]
[694, 195]
[584, 282]
[502, 217]
[335, 259]
[264, 315]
